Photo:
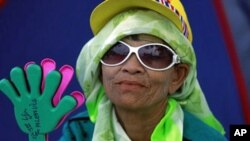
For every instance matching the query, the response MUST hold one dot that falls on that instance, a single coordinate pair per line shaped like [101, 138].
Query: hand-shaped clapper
[36, 95]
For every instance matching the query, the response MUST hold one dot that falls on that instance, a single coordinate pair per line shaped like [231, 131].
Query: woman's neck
[140, 124]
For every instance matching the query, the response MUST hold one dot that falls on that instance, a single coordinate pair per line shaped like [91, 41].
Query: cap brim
[109, 8]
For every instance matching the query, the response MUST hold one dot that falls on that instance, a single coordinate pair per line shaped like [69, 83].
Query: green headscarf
[190, 97]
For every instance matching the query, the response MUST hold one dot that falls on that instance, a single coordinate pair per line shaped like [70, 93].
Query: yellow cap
[171, 9]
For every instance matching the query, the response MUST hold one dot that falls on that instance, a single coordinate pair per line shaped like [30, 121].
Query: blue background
[32, 30]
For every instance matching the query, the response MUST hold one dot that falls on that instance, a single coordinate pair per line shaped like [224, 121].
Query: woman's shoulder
[196, 130]
[80, 128]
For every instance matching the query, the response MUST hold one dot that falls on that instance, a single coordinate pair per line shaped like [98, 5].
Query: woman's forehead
[143, 37]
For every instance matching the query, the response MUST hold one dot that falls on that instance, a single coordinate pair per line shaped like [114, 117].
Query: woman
[139, 76]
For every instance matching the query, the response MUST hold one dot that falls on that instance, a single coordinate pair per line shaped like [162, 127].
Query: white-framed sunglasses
[154, 56]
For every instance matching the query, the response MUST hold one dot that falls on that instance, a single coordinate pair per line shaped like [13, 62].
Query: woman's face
[131, 85]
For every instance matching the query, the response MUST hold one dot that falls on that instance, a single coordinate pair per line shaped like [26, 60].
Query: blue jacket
[80, 128]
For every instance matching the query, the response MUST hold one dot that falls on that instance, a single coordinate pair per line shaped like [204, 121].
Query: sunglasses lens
[156, 56]
[116, 54]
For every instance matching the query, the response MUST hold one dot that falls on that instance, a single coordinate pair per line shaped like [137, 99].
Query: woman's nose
[133, 65]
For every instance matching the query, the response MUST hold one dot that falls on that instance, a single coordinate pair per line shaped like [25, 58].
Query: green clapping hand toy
[36, 92]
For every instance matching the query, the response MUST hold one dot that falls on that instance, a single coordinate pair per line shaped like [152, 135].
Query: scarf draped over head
[190, 97]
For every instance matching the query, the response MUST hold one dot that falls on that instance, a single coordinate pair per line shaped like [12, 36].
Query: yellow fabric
[178, 5]
[99, 18]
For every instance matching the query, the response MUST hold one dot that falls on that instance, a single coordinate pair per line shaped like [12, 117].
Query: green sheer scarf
[190, 97]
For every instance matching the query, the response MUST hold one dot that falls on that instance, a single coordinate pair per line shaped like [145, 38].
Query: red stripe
[234, 59]
[172, 7]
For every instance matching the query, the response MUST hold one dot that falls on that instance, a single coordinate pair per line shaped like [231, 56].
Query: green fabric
[174, 131]
[80, 128]
[190, 96]
[196, 130]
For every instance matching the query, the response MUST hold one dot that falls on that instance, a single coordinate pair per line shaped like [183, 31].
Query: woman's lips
[128, 82]
[131, 82]
[128, 85]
